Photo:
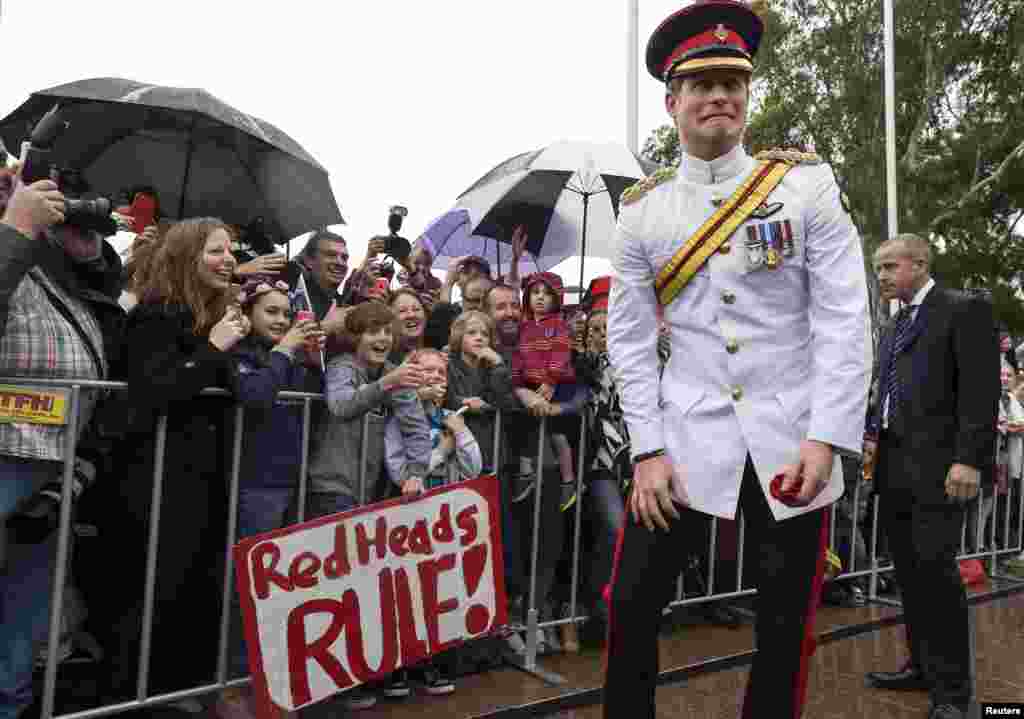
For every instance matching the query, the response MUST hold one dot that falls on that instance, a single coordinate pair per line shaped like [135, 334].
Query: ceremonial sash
[718, 228]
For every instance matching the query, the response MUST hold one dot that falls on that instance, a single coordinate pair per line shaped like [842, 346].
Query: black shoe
[397, 686]
[909, 678]
[437, 683]
[722, 616]
[946, 711]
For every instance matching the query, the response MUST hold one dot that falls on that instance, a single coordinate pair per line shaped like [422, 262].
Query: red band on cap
[714, 37]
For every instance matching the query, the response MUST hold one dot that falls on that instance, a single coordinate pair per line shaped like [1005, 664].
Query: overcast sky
[404, 102]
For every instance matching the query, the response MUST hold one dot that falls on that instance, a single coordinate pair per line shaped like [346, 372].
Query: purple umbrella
[449, 236]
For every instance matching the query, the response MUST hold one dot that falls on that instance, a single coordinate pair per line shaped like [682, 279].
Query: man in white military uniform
[762, 278]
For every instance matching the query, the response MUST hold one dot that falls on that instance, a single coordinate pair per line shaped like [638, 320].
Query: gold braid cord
[793, 157]
[634, 192]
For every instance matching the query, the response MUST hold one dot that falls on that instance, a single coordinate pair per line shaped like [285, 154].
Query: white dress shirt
[915, 303]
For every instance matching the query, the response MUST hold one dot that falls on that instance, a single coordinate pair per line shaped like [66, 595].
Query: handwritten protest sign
[338, 601]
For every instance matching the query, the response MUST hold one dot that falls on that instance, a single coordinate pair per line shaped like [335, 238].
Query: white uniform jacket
[761, 358]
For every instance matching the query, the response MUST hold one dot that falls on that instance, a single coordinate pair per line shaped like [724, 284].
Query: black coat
[166, 365]
[950, 401]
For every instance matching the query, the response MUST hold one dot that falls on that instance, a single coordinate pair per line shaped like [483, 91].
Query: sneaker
[358, 699]
[568, 496]
[397, 687]
[553, 645]
[570, 637]
[437, 683]
[233, 703]
[522, 487]
[515, 645]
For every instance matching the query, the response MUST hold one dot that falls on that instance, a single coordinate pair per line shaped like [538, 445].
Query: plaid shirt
[40, 341]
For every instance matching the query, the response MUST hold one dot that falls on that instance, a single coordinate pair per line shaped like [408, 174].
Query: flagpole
[632, 72]
[891, 194]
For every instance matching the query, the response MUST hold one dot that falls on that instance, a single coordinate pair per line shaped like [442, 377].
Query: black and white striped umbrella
[566, 194]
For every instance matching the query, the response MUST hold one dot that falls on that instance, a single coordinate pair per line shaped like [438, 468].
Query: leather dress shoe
[909, 678]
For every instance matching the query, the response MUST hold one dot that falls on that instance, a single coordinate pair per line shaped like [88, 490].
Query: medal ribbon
[684, 264]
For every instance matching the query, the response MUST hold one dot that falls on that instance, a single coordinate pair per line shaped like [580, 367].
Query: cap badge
[721, 34]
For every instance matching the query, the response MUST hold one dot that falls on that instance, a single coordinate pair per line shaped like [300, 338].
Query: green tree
[959, 123]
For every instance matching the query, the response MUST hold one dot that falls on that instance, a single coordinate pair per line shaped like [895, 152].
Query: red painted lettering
[300, 650]
[414, 649]
[419, 539]
[443, 531]
[379, 540]
[304, 577]
[433, 607]
[345, 617]
[264, 574]
[396, 540]
[337, 564]
[467, 523]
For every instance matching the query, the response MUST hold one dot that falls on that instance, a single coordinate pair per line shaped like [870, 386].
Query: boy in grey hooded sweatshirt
[364, 384]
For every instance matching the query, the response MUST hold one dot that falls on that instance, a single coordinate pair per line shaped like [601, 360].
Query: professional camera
[84, 214]
[37, 517]
[395, 246]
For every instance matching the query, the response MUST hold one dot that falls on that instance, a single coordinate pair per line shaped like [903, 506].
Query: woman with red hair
[177, 342]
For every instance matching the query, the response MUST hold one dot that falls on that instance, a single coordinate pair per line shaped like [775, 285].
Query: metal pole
[531, 613]
[60, 572]
[496, 455]
[225, 603]
[363, 450]
[712, 552]
[892, 197]
[739, 550]
[873, 584]
[632, 74]
[151, 550]
[579, 515]
[856, 527]
[832, 527]
[978, 520]
[304, 461]
[583, 246]
[1020, 516]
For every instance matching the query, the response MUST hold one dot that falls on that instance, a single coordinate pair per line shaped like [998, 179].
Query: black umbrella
[202, 156]
[566, 194]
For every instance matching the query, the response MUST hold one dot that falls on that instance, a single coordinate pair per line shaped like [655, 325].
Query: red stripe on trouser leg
[810, 642]
[609, 591]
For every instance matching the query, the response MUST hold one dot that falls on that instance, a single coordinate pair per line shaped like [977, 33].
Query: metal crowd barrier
[532, 624]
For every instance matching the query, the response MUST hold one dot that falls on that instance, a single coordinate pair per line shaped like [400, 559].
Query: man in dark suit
[931, 437]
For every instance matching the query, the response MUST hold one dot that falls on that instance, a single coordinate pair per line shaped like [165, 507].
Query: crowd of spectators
[430, 371]
[448, 389]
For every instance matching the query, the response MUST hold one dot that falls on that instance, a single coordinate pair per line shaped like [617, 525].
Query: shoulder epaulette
[634, 192]
[794, 157]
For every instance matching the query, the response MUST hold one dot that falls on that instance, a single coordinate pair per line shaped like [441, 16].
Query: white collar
[720, 169]
[922, 293]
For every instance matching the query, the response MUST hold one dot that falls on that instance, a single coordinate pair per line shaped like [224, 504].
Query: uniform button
[728, 297]
[732, 347]
[725, 248]
[737, 394]
[190, 364]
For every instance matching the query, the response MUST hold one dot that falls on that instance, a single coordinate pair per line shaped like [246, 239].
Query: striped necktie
[894, 388]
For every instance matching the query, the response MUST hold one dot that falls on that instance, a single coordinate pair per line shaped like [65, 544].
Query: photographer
[59, 316]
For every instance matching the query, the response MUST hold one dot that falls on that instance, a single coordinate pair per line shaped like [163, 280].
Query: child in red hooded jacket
[543, 362]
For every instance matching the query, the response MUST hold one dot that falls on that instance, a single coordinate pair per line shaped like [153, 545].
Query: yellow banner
[37, 405]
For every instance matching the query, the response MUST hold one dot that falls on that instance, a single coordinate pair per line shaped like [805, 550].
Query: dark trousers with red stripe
[786, 559]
